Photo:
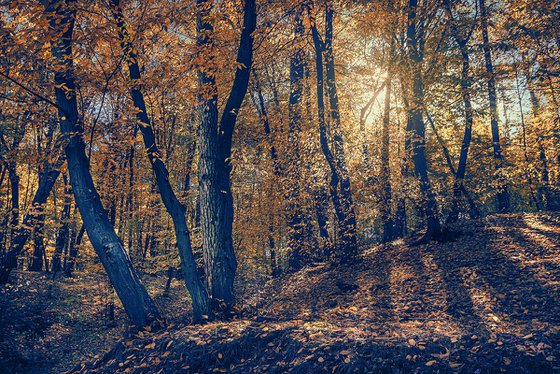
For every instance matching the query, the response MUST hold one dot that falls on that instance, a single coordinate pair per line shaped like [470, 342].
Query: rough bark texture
[216, 199]
[137, 303]
[199, 296]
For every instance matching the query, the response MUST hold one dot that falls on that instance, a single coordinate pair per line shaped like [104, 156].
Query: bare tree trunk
[64, 230]
[136, 301]
[385, 175]
[458, 186]
[347, 216]
[416, 127]
[199, 296]
[502, 196]
[216, 199]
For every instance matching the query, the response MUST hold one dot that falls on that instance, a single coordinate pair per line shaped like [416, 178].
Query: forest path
[487, 301]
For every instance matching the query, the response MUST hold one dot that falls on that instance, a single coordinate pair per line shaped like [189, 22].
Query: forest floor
[489, 301]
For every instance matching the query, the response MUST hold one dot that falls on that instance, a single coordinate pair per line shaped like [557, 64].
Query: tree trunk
[416, 126]
[385, 175]
[137, 303]
[199, 297]
[473, 209]
[73, 246]
[347, 215]
[47, 179]
[322, 213]
[502, 195]
[216, 199]
[63, 231]
[296, 216]
[36, 263]
[547, 195]
[458, 186]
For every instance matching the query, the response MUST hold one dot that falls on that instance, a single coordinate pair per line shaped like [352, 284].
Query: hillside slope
[487, 301]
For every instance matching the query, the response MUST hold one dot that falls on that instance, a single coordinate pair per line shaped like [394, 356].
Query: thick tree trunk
[502, 195]
[199, 296]
[216, 199]
[136, 301]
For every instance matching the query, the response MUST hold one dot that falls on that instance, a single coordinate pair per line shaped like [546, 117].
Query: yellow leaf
[430, 363]
[321, 359]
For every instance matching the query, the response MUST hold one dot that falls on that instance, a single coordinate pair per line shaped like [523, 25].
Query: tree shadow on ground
[490, 273]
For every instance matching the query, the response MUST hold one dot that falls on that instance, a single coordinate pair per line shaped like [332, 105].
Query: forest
[249, 186]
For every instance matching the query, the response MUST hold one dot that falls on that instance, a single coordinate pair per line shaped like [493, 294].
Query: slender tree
[502, 195]
[199, 296]
[416, 126]
[137, 303]
[462, 43]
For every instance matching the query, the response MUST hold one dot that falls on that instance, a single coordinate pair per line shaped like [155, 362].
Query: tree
[416, 126]
[199, 296]
[502, 195]
[215, 145]
[462, 40]
[138, 305]
[340, 192]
